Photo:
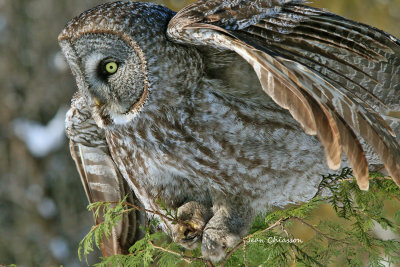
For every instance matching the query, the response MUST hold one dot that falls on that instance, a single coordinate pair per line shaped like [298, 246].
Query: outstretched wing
[100, 176]
[335, 76]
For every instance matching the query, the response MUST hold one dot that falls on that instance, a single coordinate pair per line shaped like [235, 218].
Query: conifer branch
[351, 240]
[318, 231]
[144, 209]
[244, 240]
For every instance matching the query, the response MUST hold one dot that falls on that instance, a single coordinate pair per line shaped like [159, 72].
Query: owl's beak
[97, 101]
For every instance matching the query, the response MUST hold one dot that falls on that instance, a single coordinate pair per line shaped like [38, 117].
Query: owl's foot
[217, 237]
[192, 217]
[232, 219]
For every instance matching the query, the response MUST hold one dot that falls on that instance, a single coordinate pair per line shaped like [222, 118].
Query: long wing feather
[101, 178]
[334, 75]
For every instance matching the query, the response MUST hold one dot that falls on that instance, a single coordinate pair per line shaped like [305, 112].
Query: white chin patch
[124, 118]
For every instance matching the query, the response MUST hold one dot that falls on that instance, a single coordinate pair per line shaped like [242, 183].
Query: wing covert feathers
[332, 74]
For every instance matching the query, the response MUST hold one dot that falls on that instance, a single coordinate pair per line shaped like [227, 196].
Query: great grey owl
[225, 108]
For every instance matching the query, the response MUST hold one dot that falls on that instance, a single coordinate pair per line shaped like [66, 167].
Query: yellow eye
[111, 67]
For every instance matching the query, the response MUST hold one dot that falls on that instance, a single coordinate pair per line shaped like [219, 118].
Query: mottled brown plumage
[100, 177]
[214, 110]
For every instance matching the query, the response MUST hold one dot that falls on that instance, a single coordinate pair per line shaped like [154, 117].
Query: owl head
[119, 54]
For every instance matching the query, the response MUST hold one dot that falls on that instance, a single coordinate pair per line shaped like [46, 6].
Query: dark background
[42, 203]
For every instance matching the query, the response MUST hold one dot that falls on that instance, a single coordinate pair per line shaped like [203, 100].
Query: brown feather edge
[328, 133]
[306, 120]
[387, 155]
[109, 246]
[355, 154]
[76, 154]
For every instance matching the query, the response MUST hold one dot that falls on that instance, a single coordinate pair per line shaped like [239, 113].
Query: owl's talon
[192, 217]
[224, 230]
[215, 243]
[187, 235]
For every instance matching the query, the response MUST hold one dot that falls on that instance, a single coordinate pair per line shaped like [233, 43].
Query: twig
[318, 231]
[370, 178]
[151, 211]
[147, 210]
[183, 257]
[241, 243]
[382, 178]
[187, 259]
[246, 263]
[277, 223]
[331, 179]
[291, 249]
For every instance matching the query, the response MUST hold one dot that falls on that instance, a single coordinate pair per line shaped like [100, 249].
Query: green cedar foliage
[346, 239]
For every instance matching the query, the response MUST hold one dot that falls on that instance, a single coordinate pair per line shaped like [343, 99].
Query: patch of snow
[39, 139]
[384, 234]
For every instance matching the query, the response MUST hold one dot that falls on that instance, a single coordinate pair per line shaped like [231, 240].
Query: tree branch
[244, 240]
[187, 259]
[318, 231]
